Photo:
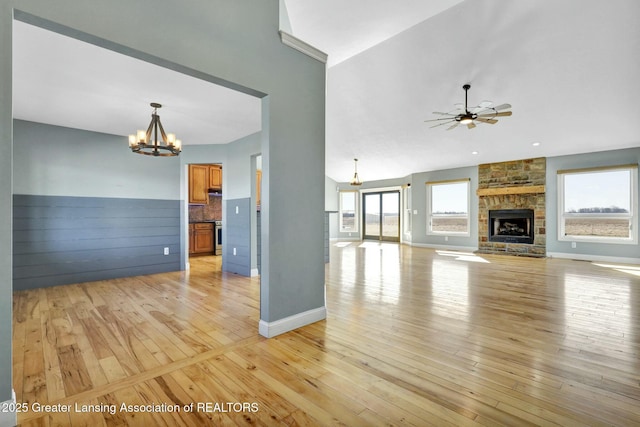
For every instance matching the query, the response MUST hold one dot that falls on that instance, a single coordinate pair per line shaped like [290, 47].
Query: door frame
[382, 191]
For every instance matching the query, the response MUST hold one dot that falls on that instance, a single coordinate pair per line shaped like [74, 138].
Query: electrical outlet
[573, 245]
[446, 238]
[234, 251]
[237, 211]
[166, 251]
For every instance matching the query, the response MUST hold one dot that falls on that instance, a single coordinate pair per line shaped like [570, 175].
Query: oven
[217, 238]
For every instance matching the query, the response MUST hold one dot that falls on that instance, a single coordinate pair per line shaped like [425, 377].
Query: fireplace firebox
[511, 226]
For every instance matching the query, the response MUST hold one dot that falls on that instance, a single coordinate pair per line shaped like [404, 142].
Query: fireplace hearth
[511, 226]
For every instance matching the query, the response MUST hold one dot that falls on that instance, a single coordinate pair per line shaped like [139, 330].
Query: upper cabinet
[203, 178]
[215, 177]
[199, 184]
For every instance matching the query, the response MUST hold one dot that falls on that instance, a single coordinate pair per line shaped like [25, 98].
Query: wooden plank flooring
[413, 337]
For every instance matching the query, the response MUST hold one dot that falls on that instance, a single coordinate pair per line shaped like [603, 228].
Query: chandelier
[148, 143]
[355, 181]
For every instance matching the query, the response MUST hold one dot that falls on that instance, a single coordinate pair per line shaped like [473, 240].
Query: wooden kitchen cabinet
[201, 238]
[191, 238]
[199, 184]
[203, 178]
[215, 177]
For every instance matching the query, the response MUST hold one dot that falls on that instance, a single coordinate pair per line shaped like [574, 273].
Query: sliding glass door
[381, 215]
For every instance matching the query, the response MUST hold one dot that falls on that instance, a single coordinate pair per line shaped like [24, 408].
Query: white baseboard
[271, 329]
[600, 258]
[444, 247]
[9, 418]
[254, 272]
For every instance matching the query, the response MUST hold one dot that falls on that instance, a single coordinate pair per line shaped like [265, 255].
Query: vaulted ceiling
[569, 68]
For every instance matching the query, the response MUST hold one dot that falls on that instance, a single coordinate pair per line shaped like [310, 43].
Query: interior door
[381, 215]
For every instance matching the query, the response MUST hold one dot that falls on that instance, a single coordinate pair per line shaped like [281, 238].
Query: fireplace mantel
[499, 191]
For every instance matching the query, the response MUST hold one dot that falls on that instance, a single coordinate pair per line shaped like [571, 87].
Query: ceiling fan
[483, 113]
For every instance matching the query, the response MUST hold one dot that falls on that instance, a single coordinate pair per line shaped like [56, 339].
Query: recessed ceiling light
[535, 144]
[474, 152]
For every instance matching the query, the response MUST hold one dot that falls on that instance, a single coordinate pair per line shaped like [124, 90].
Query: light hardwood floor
[413, 337]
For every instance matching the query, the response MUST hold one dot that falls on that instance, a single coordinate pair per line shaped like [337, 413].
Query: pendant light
[355, 181]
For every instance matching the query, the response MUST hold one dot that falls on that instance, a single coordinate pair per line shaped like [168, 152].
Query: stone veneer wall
[512, 177]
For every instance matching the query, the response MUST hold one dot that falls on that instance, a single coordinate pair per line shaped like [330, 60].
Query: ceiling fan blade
[459, 106]
[440, 124]
[482, 106]
[490, 121]
[502, 107]
[440, 113]
[453, 126]
[443, 118]
[483, 111]
[501, 114]
[471, 125]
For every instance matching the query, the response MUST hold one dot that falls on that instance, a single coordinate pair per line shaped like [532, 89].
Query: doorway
[381, 215]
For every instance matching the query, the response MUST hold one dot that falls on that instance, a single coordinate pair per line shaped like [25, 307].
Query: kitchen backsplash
[209, 212]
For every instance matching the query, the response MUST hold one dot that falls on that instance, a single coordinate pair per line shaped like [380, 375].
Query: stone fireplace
[511, 212]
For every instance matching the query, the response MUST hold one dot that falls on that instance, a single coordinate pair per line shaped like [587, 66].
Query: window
[448, 207]
[598, 205]
[348, 211]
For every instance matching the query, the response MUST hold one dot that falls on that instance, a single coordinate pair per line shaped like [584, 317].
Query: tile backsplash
[209, 212]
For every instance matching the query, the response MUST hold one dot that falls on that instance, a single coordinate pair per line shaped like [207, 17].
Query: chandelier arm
[149, 130]
[164, 135]
[156, 143]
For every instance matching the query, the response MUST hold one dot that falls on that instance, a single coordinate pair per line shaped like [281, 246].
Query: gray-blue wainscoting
[61, 239]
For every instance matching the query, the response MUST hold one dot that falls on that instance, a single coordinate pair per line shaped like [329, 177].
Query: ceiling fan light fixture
[483, 113]
[149, 144]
